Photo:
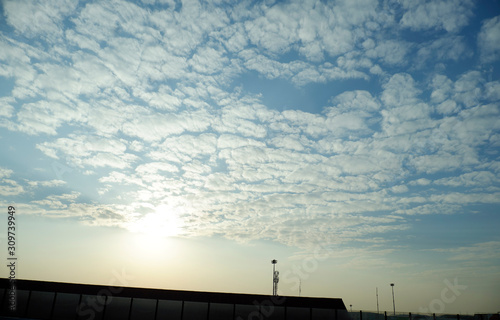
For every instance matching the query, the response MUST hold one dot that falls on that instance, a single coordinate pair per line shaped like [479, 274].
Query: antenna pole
[276, 278]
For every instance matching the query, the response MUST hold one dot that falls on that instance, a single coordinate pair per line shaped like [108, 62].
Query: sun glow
[153, 233]
[163, 222]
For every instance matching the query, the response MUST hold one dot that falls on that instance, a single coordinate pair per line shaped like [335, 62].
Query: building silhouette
[55, 300]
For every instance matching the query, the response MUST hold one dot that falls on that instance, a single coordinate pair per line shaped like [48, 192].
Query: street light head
[274, 261]
[392, 284]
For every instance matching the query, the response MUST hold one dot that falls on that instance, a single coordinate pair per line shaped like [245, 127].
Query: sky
[185, 144]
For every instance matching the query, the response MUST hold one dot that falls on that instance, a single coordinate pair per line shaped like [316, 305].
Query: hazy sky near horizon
[220, 135]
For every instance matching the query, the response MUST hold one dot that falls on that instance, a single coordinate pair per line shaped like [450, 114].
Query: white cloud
[420, 182]
[400, 90]
[311, 124]
[6, 110]
[474, 126]
[121, 178]
[449, 15]
[488, 40]
[91, 75]
[467, 88]
[47, 184]
[185, 30]
[442, 88]
[356, 100]
[448, 107]
[479, 178]
[353, 113]
[208, 60]
[302, 73]
[270, 68]
[90, 151]
[159, 63]
[155, 167]
[5, 173]
[34, 18]
[288, 142]
[66, 206]
[477, 252]
[110, 160]
[153, 105]
[83, 42]
[233, 141]
[109, 114]
[348, 123]
[45, 117]
[493, 90]
[234, 37]
[399, 189]
[389, 51]
[231, 123]
[275, 30]
[9, 187]
[451, 47]
[16, 57]
[151, 127]
[426, 209]
[456, 198]
[442, 162]
[162, 99]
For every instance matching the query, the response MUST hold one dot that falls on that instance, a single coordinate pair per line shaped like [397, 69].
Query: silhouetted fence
[385, 315]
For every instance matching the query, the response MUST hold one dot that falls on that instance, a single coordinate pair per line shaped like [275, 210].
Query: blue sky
[220, 136]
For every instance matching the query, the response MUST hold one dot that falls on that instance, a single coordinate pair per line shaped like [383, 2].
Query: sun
[153, 232]
[163, 222]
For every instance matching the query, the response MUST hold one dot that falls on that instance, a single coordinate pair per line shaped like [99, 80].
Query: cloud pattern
[144, 104]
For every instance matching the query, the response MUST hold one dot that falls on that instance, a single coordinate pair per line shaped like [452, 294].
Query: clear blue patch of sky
[18, 153]
[4, 27]
[456, 230]
[6, 86]
[484, 9]
[30, 164]
[280, 94]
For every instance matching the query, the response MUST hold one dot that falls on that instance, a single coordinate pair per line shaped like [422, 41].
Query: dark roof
[163, 294]
[45, 300]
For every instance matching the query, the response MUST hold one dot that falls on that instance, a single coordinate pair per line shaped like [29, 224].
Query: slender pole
[393, 301]
[377, 299]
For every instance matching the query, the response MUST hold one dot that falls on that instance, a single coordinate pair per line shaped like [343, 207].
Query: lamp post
[376, 293]
[393, 302]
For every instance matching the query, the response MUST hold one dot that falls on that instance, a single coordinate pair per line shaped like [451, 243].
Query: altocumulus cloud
[150, 102]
